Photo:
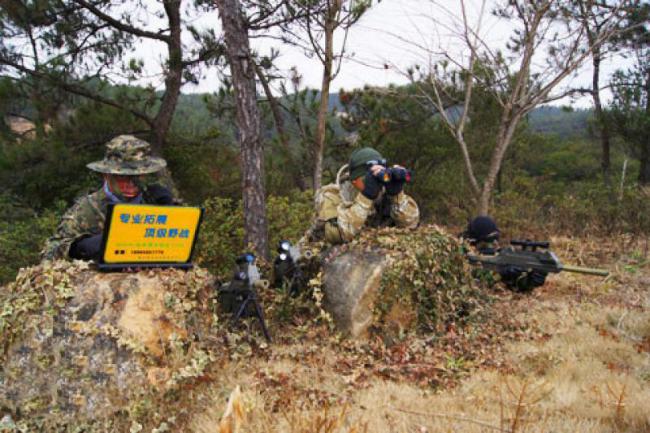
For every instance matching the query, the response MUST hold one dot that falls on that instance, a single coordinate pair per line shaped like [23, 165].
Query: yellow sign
[141, 233]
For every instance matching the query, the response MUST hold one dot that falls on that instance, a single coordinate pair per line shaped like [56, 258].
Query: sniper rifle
[528, 258]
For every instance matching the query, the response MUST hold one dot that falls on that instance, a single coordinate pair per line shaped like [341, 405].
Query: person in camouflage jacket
[126, 161]
[363, 200]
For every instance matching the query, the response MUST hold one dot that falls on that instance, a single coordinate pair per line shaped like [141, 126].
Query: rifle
[239, 296]
[528, 258]
[286, 266]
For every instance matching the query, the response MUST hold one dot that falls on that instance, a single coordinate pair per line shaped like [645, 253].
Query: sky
[392, 36]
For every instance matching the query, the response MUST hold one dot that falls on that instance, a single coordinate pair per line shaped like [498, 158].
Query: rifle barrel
[581, 270]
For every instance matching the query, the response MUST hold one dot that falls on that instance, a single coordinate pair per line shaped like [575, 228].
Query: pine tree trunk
[173, 79]
[173, 82]
[242, 70]
[644, 168]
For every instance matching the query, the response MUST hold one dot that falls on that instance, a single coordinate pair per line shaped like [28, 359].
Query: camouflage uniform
[125, 155]
[342, 212]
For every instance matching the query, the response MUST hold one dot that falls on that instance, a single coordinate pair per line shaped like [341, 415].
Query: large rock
[350, 283]
[77, 345]
[399, 280]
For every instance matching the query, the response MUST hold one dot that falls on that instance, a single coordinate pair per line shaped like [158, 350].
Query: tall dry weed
[235, 416]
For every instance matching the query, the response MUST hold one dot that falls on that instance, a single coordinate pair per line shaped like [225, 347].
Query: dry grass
[586, 368]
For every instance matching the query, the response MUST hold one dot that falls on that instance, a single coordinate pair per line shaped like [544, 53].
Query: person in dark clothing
[483, 234]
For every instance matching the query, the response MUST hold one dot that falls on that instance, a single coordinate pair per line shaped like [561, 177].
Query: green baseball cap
[128, 155]
[358, 165]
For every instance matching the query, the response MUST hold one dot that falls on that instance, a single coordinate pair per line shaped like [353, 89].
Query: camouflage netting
[423, 282]
[86, 351]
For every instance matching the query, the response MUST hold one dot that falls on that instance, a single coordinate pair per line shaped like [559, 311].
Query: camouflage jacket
[85, 218]
[342, 212]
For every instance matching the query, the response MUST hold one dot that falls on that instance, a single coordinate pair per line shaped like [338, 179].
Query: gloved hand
[510, 274]
[397, 180]
[523, 281]
[87, 248]
[159, 195]
[371, 186]
[537, 278]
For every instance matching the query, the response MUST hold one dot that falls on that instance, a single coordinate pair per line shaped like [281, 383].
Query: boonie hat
[128, 155]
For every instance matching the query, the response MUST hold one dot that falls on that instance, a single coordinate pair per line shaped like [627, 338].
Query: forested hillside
[553, 120]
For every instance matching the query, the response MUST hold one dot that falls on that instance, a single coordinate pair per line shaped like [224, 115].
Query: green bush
[203, 167]
[221, 238]
[42, 171]
[22, 235]
[531, 207]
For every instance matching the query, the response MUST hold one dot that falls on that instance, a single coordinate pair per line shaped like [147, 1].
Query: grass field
[574, 356]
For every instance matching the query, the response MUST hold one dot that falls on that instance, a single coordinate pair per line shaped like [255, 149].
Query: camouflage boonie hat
[128, 155]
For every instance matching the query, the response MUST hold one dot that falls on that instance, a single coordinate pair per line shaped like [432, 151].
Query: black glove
[395, 185]
[157, 194]
[371, 186]
[87, 248]
[510, 274]
[521, 281]
[537, 278]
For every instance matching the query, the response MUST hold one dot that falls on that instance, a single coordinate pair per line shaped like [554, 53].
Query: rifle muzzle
[588, 271]
[261, 284]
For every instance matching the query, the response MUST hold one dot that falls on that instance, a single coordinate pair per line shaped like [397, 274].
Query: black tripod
[249, 296]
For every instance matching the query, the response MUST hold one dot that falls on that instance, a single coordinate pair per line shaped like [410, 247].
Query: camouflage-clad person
[483, 235]
[126, 161]
[364, 199]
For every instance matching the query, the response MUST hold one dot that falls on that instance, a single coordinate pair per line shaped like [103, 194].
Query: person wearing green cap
[126, 161]
[364, 195]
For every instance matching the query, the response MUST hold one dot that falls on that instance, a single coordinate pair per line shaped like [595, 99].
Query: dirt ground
[572, 356]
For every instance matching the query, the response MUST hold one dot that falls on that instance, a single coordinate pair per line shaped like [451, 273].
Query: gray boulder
[78, 346]
[350, 284]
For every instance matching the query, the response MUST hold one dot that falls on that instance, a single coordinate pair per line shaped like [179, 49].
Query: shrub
[531, 206]
[221, 238]
[22, 235]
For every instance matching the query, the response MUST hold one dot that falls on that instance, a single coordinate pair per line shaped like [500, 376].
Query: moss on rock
[425, 283]
[87, 351]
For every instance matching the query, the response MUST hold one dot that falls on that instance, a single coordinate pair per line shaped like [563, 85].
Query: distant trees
[590, 14]
[629, 112]
[546, 46]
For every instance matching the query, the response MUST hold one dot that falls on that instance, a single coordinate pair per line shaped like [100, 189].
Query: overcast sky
[377, 47]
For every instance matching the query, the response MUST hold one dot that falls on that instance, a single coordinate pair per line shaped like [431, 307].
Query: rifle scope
[530, 244]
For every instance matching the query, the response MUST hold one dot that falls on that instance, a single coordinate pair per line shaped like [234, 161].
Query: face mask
[126, 188]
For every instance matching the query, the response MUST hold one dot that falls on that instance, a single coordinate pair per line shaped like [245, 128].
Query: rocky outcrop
[398, 280]
[81, 345]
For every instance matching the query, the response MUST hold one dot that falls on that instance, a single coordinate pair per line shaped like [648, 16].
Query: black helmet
[482, 229]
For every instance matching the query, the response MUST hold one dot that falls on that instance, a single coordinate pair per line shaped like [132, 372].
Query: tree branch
[121, 25]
